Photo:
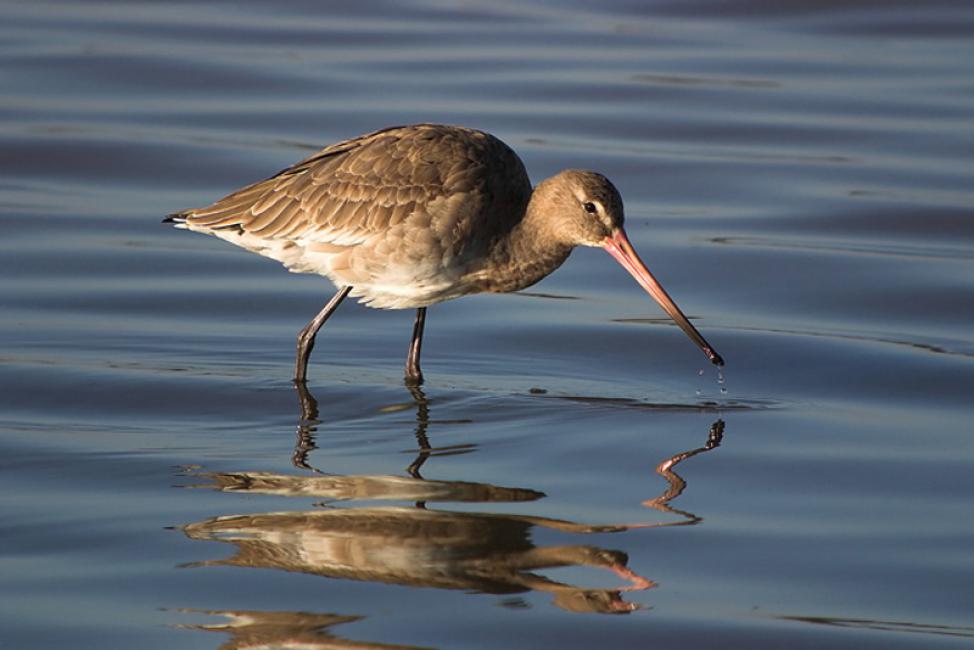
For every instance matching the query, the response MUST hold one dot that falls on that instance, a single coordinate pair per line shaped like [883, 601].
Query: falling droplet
[700, 373]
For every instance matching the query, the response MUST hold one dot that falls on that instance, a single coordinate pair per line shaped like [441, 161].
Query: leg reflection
[309, 422]
[307, 427]
[422, 424]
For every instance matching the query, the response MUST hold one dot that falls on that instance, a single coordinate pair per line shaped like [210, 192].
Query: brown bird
[410, 216]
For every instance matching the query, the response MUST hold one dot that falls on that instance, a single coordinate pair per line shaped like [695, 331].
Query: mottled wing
[353, 190]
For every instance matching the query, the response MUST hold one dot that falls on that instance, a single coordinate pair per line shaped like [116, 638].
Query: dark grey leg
[306, 337]
[414, 375]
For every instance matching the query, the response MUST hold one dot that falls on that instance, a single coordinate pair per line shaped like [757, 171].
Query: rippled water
[799, 175]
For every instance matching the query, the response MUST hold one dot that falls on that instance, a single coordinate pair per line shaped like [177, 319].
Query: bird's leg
[414, 376]
[306, 337]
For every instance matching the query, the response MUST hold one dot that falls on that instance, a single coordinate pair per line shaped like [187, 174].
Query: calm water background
[800, 177]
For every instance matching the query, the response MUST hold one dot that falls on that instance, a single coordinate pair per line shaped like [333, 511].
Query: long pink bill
[618, 246]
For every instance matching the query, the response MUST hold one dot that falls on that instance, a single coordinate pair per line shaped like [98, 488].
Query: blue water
[798, 175]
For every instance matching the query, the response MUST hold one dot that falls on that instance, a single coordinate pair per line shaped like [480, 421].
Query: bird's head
[585, 209]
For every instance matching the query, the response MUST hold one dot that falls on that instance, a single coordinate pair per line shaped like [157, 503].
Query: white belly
[381, 281]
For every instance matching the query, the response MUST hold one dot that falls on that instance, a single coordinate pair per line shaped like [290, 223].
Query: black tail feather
[175, 217]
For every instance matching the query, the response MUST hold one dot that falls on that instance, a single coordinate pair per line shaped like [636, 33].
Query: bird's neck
[527, 254]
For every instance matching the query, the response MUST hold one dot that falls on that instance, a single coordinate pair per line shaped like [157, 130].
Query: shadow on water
[417, 546]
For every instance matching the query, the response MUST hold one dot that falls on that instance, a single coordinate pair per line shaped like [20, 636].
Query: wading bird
[410, 216]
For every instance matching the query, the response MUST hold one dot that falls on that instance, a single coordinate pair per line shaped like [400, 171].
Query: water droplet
[700, 373]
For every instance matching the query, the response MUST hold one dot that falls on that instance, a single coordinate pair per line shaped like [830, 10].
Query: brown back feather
[352, 190]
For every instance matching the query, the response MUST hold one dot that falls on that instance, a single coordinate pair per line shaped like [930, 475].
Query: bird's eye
[590, 207]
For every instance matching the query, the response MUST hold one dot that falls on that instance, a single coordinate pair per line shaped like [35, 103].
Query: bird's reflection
[485, 553]
[421, 547]
[258, 630]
